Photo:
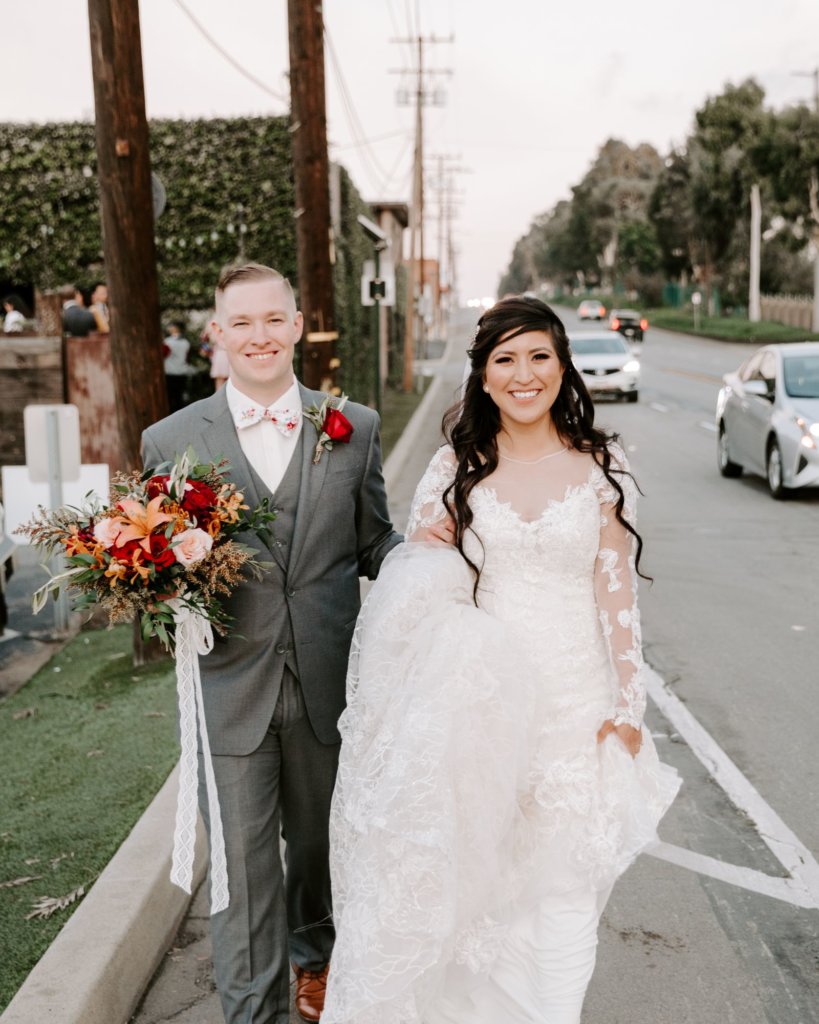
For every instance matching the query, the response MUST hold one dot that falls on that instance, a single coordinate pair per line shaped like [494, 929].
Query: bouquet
[164, 536]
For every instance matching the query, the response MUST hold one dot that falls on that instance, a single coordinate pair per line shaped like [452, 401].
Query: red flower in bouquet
[162, 536]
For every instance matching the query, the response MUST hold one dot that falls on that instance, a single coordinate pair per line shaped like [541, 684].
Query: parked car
[629, 323]
[768, 417]
[591, 309]
[607, 364]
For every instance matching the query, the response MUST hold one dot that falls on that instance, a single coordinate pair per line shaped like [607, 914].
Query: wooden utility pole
[124, 170]
[311, 174]
[414, 327]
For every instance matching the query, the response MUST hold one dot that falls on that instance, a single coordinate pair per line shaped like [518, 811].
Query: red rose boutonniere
[331, 424]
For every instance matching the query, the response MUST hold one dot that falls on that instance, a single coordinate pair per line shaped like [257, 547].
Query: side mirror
[757, 387]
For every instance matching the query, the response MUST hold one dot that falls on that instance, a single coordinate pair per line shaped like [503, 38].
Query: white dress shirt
[265, 447]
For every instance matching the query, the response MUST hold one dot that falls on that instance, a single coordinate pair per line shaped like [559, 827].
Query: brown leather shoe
[310, 989]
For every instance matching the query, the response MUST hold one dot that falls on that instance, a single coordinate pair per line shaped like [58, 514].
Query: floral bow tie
[285, 420]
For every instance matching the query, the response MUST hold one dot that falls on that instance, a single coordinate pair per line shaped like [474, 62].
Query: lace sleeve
[427, 507]
[616, 592]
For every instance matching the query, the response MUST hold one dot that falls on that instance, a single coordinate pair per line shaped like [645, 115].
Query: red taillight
[602, 311]
[644, 325]
[615, 324]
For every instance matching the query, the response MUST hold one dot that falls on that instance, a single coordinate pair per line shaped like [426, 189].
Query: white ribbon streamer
[194, 636]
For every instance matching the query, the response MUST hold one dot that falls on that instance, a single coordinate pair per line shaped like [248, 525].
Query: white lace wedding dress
[471, 787]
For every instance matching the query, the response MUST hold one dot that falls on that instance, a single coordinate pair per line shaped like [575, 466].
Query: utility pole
[443, 183]
[414, 330]
[311, 173]
[124, 169]
[754, 312]
[814, 74]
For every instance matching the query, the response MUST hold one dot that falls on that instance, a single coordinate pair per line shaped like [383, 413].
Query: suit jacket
[309, 594]
[78, 322]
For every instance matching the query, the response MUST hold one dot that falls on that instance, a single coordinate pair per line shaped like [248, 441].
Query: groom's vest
[284, 501]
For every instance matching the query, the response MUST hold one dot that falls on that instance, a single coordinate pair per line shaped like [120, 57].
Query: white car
[607, 363]
[591, 309]
[768, 417]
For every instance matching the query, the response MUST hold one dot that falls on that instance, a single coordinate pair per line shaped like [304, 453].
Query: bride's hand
[630, 737]
[438, 533]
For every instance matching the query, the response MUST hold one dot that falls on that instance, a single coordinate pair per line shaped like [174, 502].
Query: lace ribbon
[194, 636]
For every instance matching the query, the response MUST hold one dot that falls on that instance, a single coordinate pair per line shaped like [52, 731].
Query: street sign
[381, 287]
[36, 426]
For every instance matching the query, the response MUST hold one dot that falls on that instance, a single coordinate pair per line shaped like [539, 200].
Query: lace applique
[617, 604]
[427, 504]
[477, 946]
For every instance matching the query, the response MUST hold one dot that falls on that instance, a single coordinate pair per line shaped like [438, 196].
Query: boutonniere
[331, 424]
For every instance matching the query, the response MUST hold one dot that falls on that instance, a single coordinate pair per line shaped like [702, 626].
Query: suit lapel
[312, 477]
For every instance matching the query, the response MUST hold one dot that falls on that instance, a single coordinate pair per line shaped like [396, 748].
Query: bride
[495, 777]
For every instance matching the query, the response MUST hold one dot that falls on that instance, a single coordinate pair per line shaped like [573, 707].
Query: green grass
[728, 328]
[396, 410]
[86, 745]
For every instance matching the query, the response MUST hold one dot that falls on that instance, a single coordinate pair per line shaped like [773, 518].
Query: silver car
[607, 363]
[768, 417]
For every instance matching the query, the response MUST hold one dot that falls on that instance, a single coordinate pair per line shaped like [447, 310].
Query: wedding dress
[472, 795]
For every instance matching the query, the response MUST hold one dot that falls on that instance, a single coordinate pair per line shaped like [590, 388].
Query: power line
[231, 59]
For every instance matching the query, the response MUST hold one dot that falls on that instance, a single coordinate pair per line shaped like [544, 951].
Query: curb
[98, 967]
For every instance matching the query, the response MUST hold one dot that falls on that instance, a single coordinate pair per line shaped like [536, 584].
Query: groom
[273, 691]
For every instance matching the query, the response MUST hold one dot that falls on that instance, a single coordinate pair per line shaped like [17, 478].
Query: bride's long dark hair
[472, 425]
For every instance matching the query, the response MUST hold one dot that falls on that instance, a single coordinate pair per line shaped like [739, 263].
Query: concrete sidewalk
[105, 960]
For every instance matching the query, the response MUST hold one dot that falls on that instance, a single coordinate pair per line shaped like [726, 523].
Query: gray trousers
[277, 913]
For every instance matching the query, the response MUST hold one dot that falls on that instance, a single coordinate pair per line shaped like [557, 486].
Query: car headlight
[632, 366]
[810, 432]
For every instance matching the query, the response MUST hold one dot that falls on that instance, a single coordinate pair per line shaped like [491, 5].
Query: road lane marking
[658, 407]
[791, 853]
[786, 889]
[708, 425]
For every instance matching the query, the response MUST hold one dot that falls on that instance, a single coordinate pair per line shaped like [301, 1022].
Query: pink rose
[106, 531]
[191, 546]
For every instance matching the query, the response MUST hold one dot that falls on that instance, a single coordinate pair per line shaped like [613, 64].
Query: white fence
[794, 310]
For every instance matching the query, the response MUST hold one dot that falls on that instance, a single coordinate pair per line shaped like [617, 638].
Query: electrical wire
[231, 59]
[370, 161]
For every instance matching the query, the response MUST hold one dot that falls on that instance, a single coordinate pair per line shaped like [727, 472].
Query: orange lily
[141, 522]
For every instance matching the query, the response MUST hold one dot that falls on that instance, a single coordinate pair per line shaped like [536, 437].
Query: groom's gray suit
[274, 690]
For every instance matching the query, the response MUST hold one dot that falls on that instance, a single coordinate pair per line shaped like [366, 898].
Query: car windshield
[598, 346]
[626, 314]
[801, 376]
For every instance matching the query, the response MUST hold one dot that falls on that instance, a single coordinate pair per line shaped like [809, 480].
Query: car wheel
[632, 396]
[774, 470]
[726, 467]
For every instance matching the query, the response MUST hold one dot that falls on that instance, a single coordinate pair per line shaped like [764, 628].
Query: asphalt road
[709, 932]
[731, 625]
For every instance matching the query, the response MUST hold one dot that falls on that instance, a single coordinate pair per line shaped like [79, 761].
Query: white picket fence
[794, 310]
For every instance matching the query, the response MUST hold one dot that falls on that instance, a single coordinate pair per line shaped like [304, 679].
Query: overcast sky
[537, 85]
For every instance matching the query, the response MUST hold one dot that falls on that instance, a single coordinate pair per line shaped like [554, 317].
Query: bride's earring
[486, 388]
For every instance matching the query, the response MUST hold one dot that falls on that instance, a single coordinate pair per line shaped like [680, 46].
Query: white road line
[794, 856]
[9, 634]
[786, 889]
[708, 425]
[658, 407]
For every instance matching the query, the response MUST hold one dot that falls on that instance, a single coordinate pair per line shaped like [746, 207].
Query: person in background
[99, 307]
[176, 348]
[16, 313]
[77, 320]
[219, 365]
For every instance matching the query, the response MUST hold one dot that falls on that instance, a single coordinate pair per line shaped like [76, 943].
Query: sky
[537, 86]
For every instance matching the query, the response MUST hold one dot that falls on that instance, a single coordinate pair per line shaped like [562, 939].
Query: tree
[787, 153]
[671, 213]
[721, 174]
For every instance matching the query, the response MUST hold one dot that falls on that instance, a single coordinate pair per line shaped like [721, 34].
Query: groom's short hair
[244, 273]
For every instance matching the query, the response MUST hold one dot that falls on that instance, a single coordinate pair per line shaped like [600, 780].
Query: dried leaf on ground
[14, 882]
[95, 753]
[24, 713]
[48, 905]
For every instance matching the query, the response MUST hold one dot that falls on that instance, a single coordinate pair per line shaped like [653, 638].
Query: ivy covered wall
[229, 185]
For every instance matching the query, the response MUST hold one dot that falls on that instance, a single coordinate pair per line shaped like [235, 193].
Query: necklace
[533, 462]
